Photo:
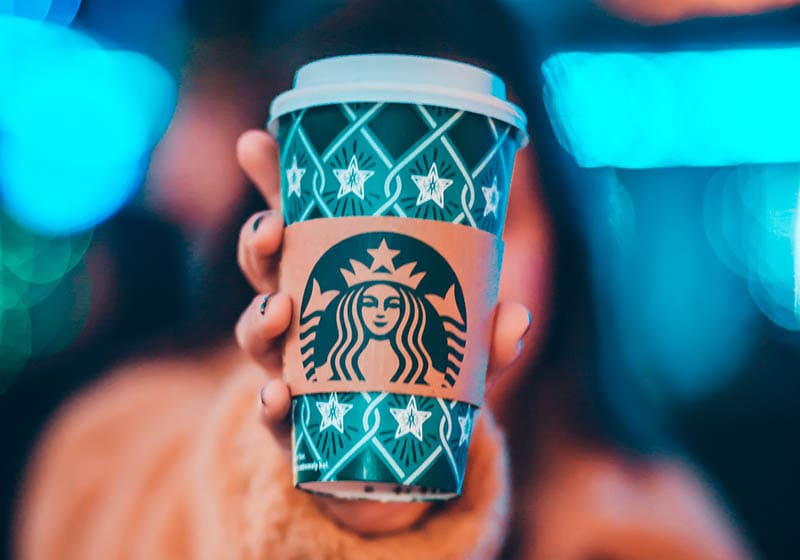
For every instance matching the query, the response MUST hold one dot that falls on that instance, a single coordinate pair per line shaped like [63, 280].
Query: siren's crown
[382, 269]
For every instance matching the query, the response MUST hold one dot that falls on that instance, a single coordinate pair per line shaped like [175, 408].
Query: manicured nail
[528, 326]
[264, 303]
[257, 222]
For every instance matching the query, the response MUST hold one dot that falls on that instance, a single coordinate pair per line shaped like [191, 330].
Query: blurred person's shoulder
[117, 439]
[137, 393]
[141, 395]
[150, 383]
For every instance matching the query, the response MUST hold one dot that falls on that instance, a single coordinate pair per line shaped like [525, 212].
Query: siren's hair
[407, 342]
[352, 339]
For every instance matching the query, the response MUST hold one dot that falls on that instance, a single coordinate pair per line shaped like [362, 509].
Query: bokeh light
[796, 248]
[15, 334]
[63, 11]
[735, 109]
[52, 193]
[148, 26]
[58, 320]
[646, 110]
[751, 222]
[41, 306]
[56, 11]
[79, 122]
[33, 9]
[673, 317]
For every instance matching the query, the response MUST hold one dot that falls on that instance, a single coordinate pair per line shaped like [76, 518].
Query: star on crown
[382, 269]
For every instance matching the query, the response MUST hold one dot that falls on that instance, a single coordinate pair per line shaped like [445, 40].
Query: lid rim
[472, 88]
[390, 92]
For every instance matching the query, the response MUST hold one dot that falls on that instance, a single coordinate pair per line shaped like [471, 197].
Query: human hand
[267, 318]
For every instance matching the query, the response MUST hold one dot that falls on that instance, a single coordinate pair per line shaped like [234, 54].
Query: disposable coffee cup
[395, 173]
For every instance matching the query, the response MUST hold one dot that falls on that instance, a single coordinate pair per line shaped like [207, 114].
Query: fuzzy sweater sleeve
[174, 465]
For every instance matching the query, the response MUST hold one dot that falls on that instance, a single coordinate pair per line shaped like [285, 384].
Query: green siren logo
[370, 311]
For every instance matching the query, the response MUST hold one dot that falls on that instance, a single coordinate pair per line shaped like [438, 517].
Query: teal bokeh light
[44, 298]
[646, 110]
[750, 217]
[79, 123]
[15, 335]
[56, 11]
[673, 319]
[54, 194]
[31, 261]
[31, 9]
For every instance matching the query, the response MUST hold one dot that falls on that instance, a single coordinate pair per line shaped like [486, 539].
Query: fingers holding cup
[276, 402]
[511, 323]
[261, 327]
[259, 249]
[257, 153]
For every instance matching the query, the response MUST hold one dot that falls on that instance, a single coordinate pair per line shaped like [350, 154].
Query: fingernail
[257, 222]
[528, 326]
[263, 308]
[520, 346]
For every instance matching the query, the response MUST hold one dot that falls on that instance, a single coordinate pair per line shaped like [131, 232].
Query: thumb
[511, 322]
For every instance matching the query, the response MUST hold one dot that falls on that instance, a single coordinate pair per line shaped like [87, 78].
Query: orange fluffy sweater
[169, 459]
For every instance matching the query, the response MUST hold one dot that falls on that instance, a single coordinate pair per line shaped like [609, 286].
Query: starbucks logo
[383, 306]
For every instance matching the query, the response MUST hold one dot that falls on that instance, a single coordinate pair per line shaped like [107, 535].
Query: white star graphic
[352, 179]
[409, 420]
[431, 187]
[332, 413]
[293, 176]
[466, 428]
[492, 196]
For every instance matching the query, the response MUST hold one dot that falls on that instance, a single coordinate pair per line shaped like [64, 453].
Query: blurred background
[669, 142]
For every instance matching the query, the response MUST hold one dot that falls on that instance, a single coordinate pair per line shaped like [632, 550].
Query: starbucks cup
[394, 185]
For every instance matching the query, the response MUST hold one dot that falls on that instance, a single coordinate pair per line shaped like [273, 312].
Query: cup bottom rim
[376, 491]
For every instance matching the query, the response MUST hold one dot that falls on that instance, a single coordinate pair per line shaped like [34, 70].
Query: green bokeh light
[38, 259]
[15, 335]
[44, 294]
[58, 320]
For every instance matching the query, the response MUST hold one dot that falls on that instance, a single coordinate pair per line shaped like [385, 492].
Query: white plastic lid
[397, 78]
